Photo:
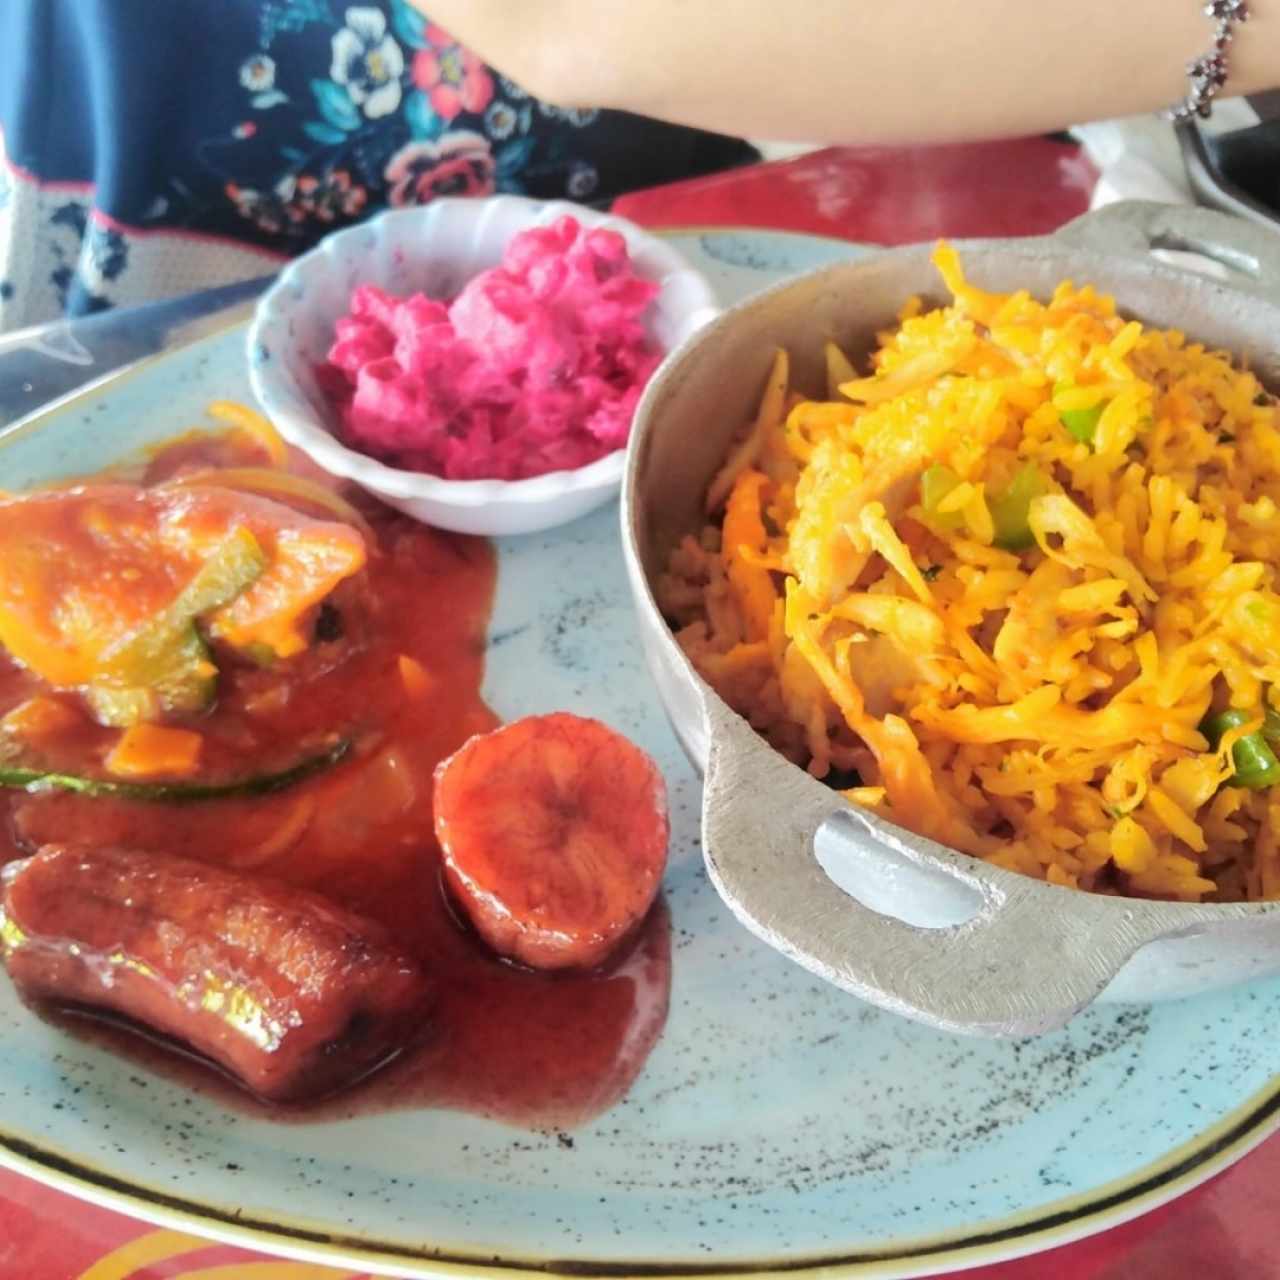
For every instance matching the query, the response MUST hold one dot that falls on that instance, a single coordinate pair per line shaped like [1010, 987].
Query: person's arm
[861, 71]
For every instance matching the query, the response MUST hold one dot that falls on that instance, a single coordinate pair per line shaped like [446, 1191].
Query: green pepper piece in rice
[1257, 766]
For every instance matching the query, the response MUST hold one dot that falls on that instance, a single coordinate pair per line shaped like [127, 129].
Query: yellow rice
[1037, 707]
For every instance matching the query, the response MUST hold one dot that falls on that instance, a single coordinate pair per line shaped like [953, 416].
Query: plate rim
[1058, 1223]
[1055, 1224]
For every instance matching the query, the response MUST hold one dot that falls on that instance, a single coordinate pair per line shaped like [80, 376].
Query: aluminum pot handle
[1133, 228]
[1029, 958]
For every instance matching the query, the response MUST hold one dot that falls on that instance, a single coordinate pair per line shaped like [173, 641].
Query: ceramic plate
[777, 1125]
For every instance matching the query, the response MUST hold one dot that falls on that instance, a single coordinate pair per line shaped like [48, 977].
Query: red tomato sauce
[527, 1048]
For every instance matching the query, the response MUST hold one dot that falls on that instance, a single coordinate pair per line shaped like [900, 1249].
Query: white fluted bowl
[435, 249]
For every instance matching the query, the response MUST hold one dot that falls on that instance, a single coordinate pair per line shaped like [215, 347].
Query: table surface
[1028, 186]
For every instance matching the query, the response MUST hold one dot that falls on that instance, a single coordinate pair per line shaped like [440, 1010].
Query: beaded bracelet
[1208, 73]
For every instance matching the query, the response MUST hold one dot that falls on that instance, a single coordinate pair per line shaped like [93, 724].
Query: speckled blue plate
[777, 1125]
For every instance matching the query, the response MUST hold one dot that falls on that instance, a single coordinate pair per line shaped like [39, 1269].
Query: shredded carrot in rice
[1005, 579]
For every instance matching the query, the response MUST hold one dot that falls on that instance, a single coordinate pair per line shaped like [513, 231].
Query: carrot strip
[768, 418]
[417, 680]
[744, 530]
[147, 750]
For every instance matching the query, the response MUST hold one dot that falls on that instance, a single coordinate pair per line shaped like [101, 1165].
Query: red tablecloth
[1028, 186]
[1221, 1231]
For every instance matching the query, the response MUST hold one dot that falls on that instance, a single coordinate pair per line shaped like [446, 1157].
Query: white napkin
[1138, 158]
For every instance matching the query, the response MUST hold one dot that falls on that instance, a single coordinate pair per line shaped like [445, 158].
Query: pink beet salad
[535, 366]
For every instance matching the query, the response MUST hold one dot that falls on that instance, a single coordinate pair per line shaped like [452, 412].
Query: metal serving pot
[886, 914]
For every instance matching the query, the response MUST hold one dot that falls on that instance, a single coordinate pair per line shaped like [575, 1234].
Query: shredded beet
[535, 366]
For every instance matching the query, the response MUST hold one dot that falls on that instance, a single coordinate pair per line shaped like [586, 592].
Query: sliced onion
[283, 838]
[252, 423]
[280, 484]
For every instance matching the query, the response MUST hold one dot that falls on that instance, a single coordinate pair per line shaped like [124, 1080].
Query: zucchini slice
[18, 777]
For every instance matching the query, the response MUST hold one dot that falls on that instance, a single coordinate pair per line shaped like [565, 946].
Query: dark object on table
[1237, 172]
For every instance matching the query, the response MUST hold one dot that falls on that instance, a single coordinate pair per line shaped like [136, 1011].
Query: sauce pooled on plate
[288, 673]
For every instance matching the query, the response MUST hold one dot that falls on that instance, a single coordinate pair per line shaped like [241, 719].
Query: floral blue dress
[149, 147]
